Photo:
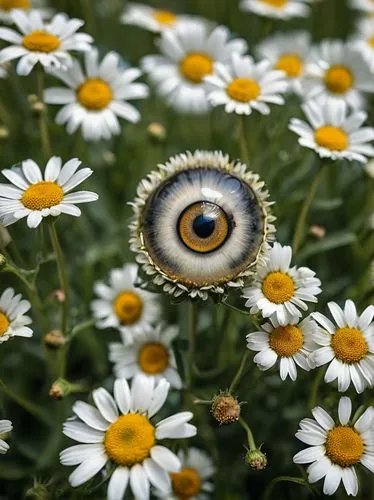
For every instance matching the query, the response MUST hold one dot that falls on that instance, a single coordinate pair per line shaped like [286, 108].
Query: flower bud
[58, 296]
[54, 339]
[3, 262]
[225, 408]
[317, 231]
[4, 132]
[59, 389]
[157, 131]
[256, 459]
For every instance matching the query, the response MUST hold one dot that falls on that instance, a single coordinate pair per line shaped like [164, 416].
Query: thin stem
[300, 225]
[62, 276]
[269, 489]
[244, 155]
[192, 330]
[43, 125]
[250, 438]
[314, 389]
[240, 371]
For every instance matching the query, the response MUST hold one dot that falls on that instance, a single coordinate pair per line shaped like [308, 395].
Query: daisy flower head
[287, 52]
[49, 43]
[5, 427]
[97, 97]
[291, 343]
[279, 289]
[122, 305]
[333, 133]
[7, 8]
[339, 70]
[150, 354]
[363, 39]
[336, 448]
[278, 9]
[347, 345]
[193, 480]
[13, 322]
[35, 196]
[364, 5]
[242, 85]
[188, 54]
[121, 431]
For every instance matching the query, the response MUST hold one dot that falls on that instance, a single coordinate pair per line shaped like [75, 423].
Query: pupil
[204, 226]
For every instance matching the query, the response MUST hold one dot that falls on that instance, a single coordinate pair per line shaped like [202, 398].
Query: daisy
[5, 427]
[243, 85]
[46, 43]
[348, 346]
[290, 343]
[13, 322]
[124, 306]
[280, 289]
[331, 133]
[150, 354]
[97, 97]
[193, 480]
[287, 52]
[8, 7]
[278, 9]
[189, 52]
[364, 39]
[121, 431]
[335, 448]
[364, 5]
[151, 19]
[337, 69]
[33, 196]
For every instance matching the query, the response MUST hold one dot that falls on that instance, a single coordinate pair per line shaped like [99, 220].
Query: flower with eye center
[14, 4]
[44, 194]
[332, 138]
[286, 340]
[94, 95]
[165, 17]
[338, 79]
[291, 64]
[349, 345]
[4, 323]
[195, 66]
[344, 446]
[243, 89]
[128, 307]
[153, 358]
[129, 440]
[186, 483]
[41, 41]
[278, 287]
[275, 3]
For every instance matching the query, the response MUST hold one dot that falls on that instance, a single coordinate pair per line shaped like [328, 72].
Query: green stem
[250, 438]
[43, 122]
[269, 489]
[240, 371]
[192, 330]
[314, 389]
[244, 155]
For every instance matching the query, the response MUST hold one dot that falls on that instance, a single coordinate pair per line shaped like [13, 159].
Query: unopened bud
[317, 231]
[54, 339]
[4, 132]
[3, 262]
[60, 389]
[32, 99]
[256, 459]
[5, 237]
[38, 107]
[58, 295]
[109, 158]
[157, 131]
[225, 408]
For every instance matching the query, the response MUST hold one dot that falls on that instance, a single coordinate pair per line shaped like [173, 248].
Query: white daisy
[33, 196]
[121, 431]
[13, 322]
[363, 39]
[364, 5]
[189, 52]
[337, 69]
[7, 8]
[193, 480]
[290, 343]
[335, 449]
[150, 354]
[124, 306]
[348, 346]
[5, 427]
[280, 289]
[97, 97]
[331, 133]
[278, 9]
[151, 19]
[243, 85]
[46, 43]
[287, 52]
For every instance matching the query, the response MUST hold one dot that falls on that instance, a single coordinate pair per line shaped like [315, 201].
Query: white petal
[118, 483]
[345, 410]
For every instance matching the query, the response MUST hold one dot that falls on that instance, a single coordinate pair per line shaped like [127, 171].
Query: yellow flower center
[243, 89]
[344, 446]
[153, 358]
[44, 194]
[94, 94]
[165, 17]
[14, 4]
[195, 66]
[41, 41]
[128, 307]
[371, 41]
[286, 340]
[129, 439]
[332, 138]
[276, 3]
[349, 345]
[4, 323]
[186, 483]
[291, 64]
[338, 79]
[278, 287]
